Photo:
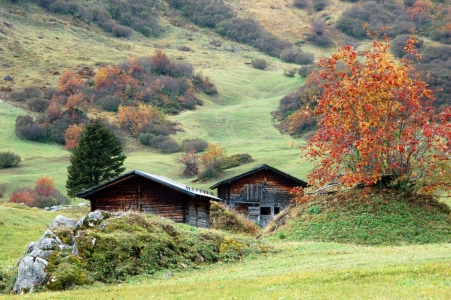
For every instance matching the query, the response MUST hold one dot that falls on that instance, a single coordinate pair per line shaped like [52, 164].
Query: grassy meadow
[299, 270]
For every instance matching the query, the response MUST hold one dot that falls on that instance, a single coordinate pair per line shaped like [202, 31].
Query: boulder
[63, 221]
[31, 274]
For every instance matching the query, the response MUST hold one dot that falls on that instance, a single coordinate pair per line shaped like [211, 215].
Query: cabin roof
[257, 169]
[183, 188]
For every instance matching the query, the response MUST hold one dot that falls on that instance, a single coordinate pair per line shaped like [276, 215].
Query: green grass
[378, 218]
[301, 270]
[20, 225]
[37, 159]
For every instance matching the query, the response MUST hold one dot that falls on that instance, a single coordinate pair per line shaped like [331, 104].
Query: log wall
[260, 195]
[141, 194]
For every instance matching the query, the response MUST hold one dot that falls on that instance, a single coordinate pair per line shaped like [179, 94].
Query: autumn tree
[135, 118]
[376, 123]
[43, 194]
[72, 135]
[191, 161]
[212, 161]
[97, 158]
[69, 83]
[45, 186]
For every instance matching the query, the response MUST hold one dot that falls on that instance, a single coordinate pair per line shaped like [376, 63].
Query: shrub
[305, 71]
[25, 196]
[290, 72]
[44, 201]
[9, 159]
[61, 7]
[320, 5]
[296, 57]
[208, 13]
[34, 132]
[146, 138]
[191, 161]
[38, 104]
[259, 63]
[300, 3]
[24, 120]
[109, 103]
[33, 92]
[61, 199]
[398, 44]
[409, 3]
[158, 129]
[351, 26]
[197, 145]
[443, 36]
[322, 40]
[49, 92]
[19, 95]
[121, 31]
[165, 144]
[236, 160]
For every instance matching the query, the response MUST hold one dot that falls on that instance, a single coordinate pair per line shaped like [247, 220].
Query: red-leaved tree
[72, 135]
[377, 124]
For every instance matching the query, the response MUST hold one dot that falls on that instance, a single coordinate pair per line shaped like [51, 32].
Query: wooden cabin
[260, 193]
[152, 194]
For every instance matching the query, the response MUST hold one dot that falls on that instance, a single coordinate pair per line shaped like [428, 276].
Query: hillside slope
[37, 44]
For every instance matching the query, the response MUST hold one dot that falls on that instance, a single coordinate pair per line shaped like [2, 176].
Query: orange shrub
[135, 118]
[72, 135]
[26, 196]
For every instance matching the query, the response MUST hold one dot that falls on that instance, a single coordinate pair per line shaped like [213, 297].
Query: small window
[276, 210]
[265, 211]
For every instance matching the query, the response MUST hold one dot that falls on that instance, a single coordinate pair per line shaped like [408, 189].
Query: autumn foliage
[69, 83]
[43, 194]
[72, 135]
[44, 186]
[377, 122]
[136, 117]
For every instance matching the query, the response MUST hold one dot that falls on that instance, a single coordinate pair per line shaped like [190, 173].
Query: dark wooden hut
[260, 193]
[153, 194]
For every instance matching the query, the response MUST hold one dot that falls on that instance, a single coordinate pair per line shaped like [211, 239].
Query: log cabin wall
[263, 187]
[260, 195]
[141, 194]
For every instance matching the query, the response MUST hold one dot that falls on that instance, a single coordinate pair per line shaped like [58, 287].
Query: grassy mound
[232, 221]
[375, 218]
[115, 248]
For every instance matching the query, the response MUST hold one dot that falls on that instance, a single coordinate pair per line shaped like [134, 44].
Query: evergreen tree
[97, 158]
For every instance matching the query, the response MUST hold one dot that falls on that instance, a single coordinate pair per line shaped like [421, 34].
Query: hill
[376, 217]
[238, 118]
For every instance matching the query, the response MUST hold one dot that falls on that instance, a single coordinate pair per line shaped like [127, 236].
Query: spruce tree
[97, 158]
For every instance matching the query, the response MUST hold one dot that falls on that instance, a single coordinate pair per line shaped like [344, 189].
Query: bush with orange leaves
[135, 118]
[69, 83]
[72, 135]
[43, 194]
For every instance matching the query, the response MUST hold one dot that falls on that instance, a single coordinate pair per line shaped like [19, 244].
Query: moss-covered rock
[109, 247]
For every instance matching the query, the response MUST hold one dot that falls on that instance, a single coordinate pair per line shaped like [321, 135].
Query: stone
[80, 222]
[8, 78]
[75, 249]
[95, 216]
[63, 221]
[31, 274]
